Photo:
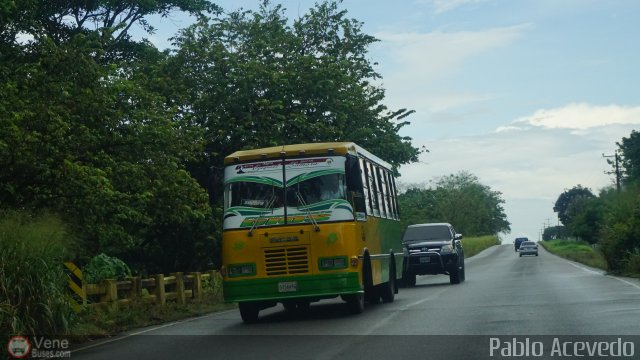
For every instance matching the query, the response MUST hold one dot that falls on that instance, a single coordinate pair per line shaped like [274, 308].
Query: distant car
[433, 248]
[528, 248]
[518, 241]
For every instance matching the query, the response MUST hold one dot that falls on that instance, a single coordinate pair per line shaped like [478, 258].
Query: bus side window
[364, 170]
[373, 186]
[355, 189]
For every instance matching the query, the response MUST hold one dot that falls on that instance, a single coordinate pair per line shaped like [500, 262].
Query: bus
[308, 222]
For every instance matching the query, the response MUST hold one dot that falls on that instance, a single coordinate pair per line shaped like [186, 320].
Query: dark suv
[432, 249]
[518, 241]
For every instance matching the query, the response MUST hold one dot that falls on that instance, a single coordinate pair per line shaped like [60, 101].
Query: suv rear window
[427, 233]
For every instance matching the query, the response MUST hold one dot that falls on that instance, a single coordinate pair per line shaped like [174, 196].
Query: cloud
[412, 63]
[532, 162]
[441, 6]
[440, 52]
[581, 116]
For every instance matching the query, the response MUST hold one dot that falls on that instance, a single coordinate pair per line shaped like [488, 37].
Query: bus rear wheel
[388, 289]
[248, 312]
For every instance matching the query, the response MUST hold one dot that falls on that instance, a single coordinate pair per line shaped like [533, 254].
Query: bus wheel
[355, 303]
[248, 312]
[388, 290]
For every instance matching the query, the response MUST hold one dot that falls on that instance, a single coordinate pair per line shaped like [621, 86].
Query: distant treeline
[611, 219]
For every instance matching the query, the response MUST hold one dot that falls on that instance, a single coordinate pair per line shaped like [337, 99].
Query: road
[515, 298]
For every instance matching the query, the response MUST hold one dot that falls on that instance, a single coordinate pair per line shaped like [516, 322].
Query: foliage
[119, 138]
[103, 267]
[32, 280]
[252, 80]
[586, 224]
[555, 232]
[621, 230]
[579, 251]
[570, 202]
[630, 149]
[471, 207]
[82, 134]
[474, 245]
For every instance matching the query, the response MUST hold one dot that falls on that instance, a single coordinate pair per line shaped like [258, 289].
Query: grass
[474, 245]
[97, 322]
[578, 251]
[101, 321]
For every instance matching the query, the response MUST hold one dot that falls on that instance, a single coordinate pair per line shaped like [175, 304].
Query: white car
[528, 248]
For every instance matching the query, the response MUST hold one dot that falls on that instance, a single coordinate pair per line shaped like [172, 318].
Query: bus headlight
[333, 263]
[236, 270]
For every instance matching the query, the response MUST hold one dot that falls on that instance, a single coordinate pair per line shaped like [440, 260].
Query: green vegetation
[580, 251]
[102, 267]
[33, 285]
[461, 200]
[124, 144]
[474, 245]
[96, 322]
[612, 219]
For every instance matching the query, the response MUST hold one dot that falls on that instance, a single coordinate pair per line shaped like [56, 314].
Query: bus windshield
[315, 187]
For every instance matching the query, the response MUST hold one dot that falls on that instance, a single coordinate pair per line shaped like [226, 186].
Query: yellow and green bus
[308, 222]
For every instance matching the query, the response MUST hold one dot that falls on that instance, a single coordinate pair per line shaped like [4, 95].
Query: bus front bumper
[291, 287]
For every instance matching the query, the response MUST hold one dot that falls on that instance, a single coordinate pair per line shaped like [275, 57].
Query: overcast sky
[527, 95]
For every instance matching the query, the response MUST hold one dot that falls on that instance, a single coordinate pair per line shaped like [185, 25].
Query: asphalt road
[504, 302]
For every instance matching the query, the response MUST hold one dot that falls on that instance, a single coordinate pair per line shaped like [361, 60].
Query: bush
[33, 285]
[102, 267]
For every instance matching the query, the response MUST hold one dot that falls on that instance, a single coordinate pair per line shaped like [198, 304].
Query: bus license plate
[425, 259]
[287, 286]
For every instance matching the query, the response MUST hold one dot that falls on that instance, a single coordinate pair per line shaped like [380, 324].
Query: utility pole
[616, 156]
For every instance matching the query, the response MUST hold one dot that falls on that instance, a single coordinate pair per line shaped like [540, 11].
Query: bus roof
[311, 149]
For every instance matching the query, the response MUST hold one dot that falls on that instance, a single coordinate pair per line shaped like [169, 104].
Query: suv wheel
[409, 279]
[454, 274]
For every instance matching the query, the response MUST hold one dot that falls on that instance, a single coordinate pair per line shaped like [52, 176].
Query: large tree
[253, 79]
[82, 134]
[570, 202]
[630, 149]
[460, 199]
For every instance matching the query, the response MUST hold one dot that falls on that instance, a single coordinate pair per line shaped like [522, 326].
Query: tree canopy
[630, 149]
[123, 140]
[460, 199]
[569, 202]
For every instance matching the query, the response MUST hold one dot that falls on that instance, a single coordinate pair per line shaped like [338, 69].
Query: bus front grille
[286, 261]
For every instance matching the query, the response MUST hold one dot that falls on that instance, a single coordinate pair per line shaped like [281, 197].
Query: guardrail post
[197, 286]
[111, 293]
[160, 292]
[179, 287]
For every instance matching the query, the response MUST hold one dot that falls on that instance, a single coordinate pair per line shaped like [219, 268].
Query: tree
[630, 149]
[554, 232]
[82, 134]
[251, 80]
[567, 204]
[587, 218]
[417, 206]
[460, 199]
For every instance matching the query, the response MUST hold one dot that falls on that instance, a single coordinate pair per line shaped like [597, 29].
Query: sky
[527, 95]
